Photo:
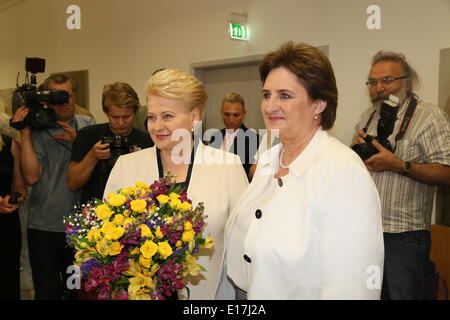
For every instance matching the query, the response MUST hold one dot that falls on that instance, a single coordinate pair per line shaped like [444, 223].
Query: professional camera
[388, 115]
[119, 145]
[39, 116]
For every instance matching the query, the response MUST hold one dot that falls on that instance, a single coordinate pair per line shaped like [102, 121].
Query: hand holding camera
[118, 145]
[10, 202]
[388, 115]
[101, 151]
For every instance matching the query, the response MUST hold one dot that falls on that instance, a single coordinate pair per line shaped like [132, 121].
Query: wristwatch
[407, 168]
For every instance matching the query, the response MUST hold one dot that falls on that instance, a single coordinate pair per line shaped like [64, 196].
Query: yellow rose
[128, 221]
[174, 195]
[142, 185]
[107, 227]
[125, 191]
[94, 235]
[115, 233]
[115, 248]
[148, 249]
[188, 236]
[169, 220]
[158, 233]
[178, 244]
[162, 198]
[131, 191]
[164, 249]
[144, 261]
[118, 219]
[145, 231]
[175, 203]
[186, 206]
[135, 251]
[117, 200]
[138, 205]
[103, 212]
[102, 247]
[110, 195]
[187, 226]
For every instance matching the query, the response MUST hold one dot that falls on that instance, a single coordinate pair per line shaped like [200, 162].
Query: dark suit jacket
[245, 145]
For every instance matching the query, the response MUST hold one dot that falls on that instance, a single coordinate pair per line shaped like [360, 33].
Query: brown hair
[121, 95]
[313, 71]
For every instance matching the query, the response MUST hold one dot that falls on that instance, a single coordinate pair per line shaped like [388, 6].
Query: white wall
[128, 40]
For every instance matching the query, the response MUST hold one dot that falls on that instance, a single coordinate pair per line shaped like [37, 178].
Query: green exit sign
[238, 31]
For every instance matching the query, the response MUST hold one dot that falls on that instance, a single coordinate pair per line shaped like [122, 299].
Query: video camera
[119, 145]
[388, 115]
[39, 116]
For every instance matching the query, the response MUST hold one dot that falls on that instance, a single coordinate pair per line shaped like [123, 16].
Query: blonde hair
[178, 85]
[234, 97]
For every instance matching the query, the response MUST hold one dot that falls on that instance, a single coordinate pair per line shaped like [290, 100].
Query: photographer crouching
[97, 148]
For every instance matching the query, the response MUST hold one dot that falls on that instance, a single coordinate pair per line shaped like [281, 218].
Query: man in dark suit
[236, 137]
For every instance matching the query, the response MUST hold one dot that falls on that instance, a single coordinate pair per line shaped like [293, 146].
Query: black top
[6, 166]
[245, 145]
[185, 184]
[86, 139]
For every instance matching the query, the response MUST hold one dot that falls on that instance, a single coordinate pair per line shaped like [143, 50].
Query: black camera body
[14, 197]
[119, 145]
[388, 116]
[39, 117]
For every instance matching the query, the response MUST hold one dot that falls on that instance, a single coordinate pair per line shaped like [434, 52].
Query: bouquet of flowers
[138, 244]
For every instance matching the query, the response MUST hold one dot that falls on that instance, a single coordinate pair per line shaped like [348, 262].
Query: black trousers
[10, 245]
[49, 259]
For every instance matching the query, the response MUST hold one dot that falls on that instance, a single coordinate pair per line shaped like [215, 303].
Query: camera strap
[405, 122]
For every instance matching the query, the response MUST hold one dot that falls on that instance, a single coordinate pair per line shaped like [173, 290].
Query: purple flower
[174, 237]
[105, 293]
[184, 198]
[87, 266]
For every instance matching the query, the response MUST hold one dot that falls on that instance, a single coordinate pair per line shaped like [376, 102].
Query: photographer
[409, 155]
[97, 148]
[44, 160]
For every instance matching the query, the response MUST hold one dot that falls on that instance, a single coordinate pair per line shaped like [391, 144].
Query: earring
[316, 117]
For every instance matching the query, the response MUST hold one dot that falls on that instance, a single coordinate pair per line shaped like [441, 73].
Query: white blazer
[218, 180]
[325, 240]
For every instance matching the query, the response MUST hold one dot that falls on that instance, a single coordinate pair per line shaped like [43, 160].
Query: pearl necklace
[281, 159]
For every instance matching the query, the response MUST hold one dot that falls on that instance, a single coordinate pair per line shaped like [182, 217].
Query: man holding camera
[44, 159]
[96, 148]
[408, 156]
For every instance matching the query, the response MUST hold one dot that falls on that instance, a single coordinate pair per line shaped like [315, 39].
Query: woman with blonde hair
[176, 105]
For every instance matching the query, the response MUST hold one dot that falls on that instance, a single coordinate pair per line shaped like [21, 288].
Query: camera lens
[42, 118]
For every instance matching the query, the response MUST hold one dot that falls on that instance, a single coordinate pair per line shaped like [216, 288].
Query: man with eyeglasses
[406, 176]
[44, 161]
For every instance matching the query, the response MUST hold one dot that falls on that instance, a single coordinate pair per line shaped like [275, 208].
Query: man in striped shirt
[407, 175]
